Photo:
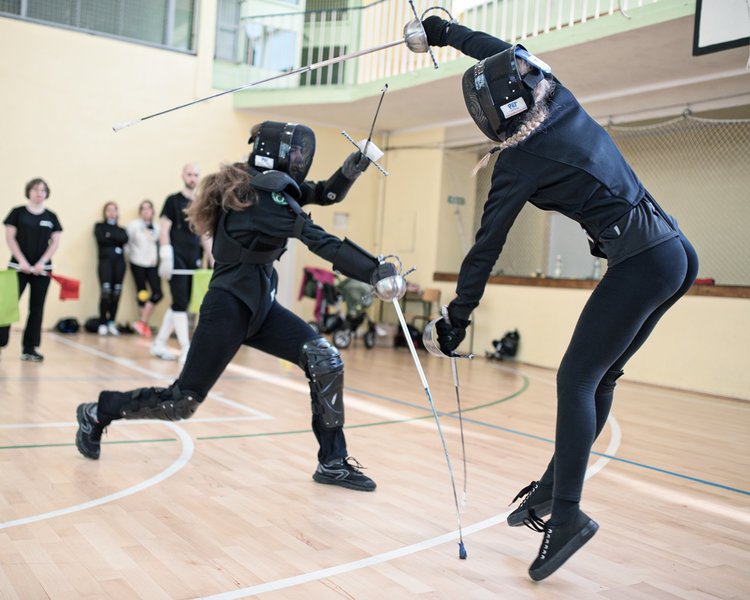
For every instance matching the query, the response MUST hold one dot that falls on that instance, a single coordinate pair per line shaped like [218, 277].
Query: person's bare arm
[49, 253]
[15, 249]
[207, 242]
[165, 227]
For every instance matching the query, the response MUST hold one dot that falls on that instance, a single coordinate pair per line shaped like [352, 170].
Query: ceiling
[641, 74]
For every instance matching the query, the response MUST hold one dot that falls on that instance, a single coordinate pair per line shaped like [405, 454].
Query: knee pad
[117, 290]
[325, 370]
[106, 291]
[166, 404]
[156, 297]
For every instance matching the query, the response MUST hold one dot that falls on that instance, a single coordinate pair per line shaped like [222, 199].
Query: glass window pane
[101, 15]
[182, 36]
[58, 11]
[145, 20]
[12, 7]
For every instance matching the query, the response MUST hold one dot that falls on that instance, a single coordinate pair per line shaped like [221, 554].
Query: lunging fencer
[251, 210]
[554, 155]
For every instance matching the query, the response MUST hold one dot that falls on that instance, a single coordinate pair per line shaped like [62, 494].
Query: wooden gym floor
[224, 506]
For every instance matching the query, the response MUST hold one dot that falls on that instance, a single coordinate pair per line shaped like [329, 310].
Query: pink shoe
[142, 329]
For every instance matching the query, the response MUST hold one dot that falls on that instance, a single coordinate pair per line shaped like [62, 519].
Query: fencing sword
[364, 146]
[432, 346]
[415, 38]
[392, 289]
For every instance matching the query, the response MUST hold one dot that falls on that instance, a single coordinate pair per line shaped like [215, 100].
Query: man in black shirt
[180, 249]
[33, 235]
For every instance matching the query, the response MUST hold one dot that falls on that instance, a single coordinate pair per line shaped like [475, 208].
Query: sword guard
[356, 145]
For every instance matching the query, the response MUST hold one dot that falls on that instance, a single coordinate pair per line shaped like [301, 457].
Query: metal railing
[327, 33]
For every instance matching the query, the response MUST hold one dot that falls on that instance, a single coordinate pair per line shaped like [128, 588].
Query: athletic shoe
[32, 356]
[142, 329]
[112, 328]
[560, 542]
[342, 472]
[538, 499]
[89, 434]
[161, 351]
[103, 329]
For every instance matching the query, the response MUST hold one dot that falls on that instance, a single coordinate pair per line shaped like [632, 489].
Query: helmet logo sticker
[513, 107]
[279, 198]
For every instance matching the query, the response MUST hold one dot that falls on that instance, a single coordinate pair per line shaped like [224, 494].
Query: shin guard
[325, 371]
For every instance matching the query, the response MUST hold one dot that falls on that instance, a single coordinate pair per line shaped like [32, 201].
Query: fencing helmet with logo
[495, 91]
[287, 147]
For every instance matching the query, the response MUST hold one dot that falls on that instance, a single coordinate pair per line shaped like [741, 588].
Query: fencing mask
[495, 91]
[287, 147]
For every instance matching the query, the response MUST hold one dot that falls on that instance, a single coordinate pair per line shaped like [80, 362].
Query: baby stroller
[329, 296]
[358, 298]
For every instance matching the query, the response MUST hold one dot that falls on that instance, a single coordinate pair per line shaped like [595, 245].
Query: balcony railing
[286, 41]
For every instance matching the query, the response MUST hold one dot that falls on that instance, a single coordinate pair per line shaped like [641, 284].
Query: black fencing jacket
[247, 242]
[569, 165]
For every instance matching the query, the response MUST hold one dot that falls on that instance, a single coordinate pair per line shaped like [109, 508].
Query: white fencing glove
[166, 262]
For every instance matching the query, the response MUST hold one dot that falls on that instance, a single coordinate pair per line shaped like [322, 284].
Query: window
[168, 23]
[227, 30]
[271, 48]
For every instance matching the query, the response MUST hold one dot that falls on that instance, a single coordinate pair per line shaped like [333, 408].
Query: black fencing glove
[436, 30]
[451, 333]
[382, 271]
[354, 165]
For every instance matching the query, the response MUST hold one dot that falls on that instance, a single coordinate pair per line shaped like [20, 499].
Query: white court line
[352, 400]
[287, 582]
[372, 560]
[134, 366]
[182, 460]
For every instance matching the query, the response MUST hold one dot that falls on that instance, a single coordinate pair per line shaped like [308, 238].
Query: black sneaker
[89, 434]
[560, 542]
[341, 472]
[538, 499]
[32, 356]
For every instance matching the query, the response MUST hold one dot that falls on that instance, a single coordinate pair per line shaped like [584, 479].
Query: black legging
[617, 319]
[222, 330]
[111, 273]
[150, 276]
[32, 335]
[180, 286]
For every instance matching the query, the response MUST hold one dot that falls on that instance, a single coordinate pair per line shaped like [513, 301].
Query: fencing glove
[436, 30]
[354, 165]
[451, 332]
[382, 271]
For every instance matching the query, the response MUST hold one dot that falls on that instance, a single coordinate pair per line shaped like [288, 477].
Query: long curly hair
[229, 189]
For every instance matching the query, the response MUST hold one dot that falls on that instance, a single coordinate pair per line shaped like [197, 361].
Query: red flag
[68, 287]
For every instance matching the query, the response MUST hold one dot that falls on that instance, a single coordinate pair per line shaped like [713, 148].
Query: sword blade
[375, 118]
[317, 65]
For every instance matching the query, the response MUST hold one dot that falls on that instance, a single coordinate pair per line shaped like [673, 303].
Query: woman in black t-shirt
[110, 238]
[33, 235]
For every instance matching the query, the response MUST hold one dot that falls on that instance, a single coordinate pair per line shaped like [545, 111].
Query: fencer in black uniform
[555, 156]
[251, 210]
[110, 240]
